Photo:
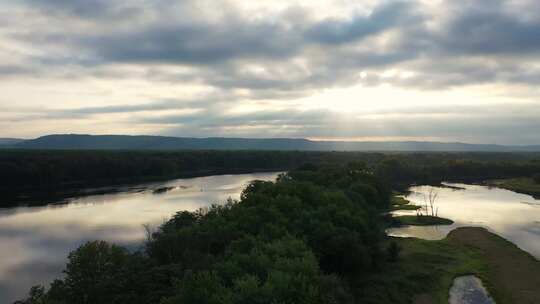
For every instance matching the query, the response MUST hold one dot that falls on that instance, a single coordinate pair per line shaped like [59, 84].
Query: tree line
[30, 176]
[316, 235]
[311, 237]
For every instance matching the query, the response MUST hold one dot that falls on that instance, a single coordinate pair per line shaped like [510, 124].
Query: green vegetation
[405, 207]
[33, 176]
[402, 170]
[421, 220]
[521, 185]
[400, 203]
[426, 269]
[399, 200]
[511, 275]
[30, 177]
[313, 236]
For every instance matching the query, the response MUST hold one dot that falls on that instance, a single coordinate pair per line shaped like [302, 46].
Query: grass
[512, 275]
[521, 185]
[422, 220]
[400, 203]
[425, 270]
[405, 207]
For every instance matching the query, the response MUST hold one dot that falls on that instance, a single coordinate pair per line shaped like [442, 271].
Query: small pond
[469, 290]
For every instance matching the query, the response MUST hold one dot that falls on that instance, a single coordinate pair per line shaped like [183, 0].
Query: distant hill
[125, 142]
[10, 141]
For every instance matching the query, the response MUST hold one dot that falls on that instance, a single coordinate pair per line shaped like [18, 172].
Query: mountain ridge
[10, 141]
[155, 142]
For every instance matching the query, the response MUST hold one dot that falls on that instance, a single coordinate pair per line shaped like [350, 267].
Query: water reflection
[36, 240]
[469, 290]
[513, 216]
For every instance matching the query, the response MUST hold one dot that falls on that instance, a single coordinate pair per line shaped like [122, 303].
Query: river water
[35, 241]
[514, 216]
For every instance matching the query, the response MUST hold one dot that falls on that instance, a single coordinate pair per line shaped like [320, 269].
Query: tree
[96, 273]
[536, 178]
[301, 239]
[35, 296]
[429, 203]
[393, 251]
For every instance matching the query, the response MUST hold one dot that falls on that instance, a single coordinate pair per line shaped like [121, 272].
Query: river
[514, 216]
[35, 241]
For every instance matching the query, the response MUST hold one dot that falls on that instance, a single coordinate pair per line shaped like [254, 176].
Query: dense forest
[313, 236]
[27, 176]
[30, 176]
[316, 235]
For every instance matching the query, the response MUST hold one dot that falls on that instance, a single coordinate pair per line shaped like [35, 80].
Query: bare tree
[429, 204]
[148, 232]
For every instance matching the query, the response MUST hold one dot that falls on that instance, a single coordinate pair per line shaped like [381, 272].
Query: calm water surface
[469, 290]
[514, 216]
[35, 241]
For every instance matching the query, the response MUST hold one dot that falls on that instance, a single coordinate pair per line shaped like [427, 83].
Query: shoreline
[510, 274]
[57, 196]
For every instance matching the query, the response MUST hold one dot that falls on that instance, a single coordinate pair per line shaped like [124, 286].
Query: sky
[452, 70]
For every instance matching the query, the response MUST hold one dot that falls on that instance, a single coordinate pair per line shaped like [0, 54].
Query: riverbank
[426, 269]
[400, 203]
[521, 185]
[40, 196]
[512, 275]
[30, 177]
[421, 220]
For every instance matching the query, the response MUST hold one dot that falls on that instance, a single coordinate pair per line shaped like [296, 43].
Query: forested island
[316, 235]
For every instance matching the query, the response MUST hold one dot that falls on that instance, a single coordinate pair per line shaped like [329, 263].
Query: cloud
[88, 9]
[489, 28]
[335, 31]
[398, 35]
[278, 55]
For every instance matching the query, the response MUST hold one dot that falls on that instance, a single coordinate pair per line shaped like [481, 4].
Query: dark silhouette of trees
[34, 174]
[316, 235]
[302, 239]
[393, 251]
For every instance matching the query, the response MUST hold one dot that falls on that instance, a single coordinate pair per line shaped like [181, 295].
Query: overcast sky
[343, 69]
